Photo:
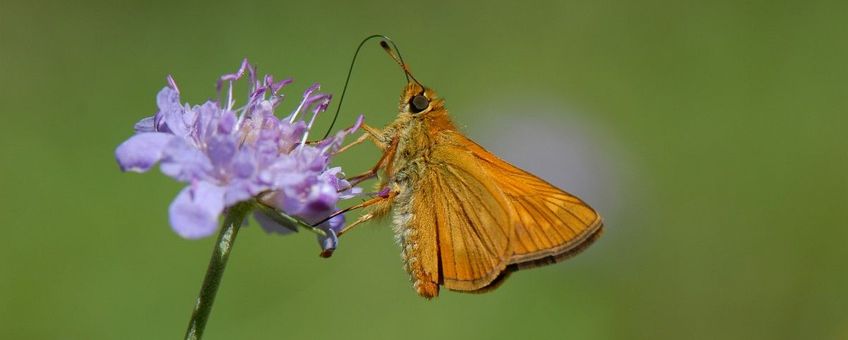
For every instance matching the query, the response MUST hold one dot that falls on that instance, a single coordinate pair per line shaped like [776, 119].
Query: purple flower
[230, 154]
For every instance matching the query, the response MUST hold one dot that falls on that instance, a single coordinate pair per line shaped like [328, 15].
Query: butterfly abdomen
[417, 259]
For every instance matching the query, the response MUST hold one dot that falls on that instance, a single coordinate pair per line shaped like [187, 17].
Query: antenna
[399, 61]
[385, 46]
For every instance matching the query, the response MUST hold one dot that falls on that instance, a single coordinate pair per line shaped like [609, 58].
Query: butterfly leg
[358, 141]
[376, 136]
[360, 220]
[383, 162]
[381, 204]
[382, 196]
[364, 176]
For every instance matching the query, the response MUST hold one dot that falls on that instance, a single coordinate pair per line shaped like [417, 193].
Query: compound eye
[419, 103]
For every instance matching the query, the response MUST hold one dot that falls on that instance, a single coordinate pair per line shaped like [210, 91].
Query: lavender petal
[221, 150]
[142, 151]
[184, 162]
[194, 213]
[237, 192]
[330, 242]
[145, 125]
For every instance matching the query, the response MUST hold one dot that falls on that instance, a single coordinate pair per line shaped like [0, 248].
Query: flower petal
[205, 119]
[321, 199]
[168, 101]
[184, 162]
[227, 122]
[330, 242]
[142, 151]
[221, 150]
[145, 125]
[178, 119]
[237, 191]
[194, 213]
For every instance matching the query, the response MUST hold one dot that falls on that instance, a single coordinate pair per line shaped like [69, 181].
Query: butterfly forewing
[552, 224]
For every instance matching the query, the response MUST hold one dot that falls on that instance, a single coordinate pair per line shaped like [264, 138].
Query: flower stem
[215, 271]
[288, 221]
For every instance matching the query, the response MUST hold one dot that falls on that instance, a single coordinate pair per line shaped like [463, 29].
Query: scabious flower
[230, 154]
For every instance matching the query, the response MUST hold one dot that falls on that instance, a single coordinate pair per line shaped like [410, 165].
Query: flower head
[229, 154]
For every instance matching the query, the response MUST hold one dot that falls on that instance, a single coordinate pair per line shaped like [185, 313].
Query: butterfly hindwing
[471, 219]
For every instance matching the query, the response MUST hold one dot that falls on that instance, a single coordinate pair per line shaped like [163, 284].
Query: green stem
[288, 221]
[215, 271]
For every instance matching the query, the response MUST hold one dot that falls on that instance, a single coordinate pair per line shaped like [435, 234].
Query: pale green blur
[722, 123]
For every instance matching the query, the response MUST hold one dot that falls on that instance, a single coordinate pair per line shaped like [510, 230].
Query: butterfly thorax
[414, 135]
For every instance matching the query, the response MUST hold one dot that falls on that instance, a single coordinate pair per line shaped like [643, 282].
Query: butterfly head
[418, 100]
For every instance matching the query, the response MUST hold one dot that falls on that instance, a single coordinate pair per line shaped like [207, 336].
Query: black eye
[419, 103]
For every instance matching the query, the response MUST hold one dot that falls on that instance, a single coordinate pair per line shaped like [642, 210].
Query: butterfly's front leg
[385, 160]
[374, 134]
[358, 141]
[377, 136]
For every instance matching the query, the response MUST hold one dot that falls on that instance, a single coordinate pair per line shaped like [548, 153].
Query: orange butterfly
[464, 218]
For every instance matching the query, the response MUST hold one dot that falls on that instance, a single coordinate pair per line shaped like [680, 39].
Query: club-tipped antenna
[395, 55]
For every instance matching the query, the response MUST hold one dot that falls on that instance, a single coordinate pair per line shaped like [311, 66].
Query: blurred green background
[710, 134]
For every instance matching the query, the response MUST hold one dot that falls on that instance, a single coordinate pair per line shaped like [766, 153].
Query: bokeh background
[709, 133]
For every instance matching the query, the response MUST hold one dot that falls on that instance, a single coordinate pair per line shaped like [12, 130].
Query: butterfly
[464, 218]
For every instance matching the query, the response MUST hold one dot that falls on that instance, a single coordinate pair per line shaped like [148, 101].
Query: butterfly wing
[470, 216]
[552, 224]
[481, 218]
